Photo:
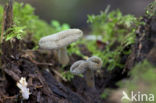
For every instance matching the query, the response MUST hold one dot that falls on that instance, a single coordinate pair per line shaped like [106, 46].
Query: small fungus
[22, 85]
[87, 67]
[95, 63]
[79, 67]
[59, 41]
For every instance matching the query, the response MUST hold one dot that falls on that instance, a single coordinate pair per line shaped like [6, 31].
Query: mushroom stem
[63, 56]
[89, 77]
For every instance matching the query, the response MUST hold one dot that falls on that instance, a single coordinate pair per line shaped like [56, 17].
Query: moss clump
[117, 31]
[67, 75]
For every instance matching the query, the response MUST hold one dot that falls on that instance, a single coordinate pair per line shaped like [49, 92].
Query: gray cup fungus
[79, 67]
[88, 67]
[59, 41]
[94, 63]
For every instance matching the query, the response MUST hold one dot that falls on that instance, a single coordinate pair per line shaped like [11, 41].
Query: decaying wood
[145, 46]
[7, 21]
[62, 91]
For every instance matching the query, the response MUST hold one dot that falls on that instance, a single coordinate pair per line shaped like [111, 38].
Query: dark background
[75, 12]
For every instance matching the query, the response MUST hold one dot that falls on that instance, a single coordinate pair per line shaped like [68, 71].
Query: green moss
[16, 31]
[117, 31]
[24, 16]
[67, 75]
[74, 48]
[58, 27]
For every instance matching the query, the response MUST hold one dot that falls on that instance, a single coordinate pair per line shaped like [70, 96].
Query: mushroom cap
[94, 63]
[79, 67]
[60, 39]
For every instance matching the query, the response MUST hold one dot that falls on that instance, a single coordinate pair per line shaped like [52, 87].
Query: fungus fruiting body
[59, 41]
[22, 85]
[79, 67]
[63, 56]
[94, 62]
[88, 67]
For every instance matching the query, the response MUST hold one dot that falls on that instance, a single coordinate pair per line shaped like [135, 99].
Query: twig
[38, 86]
[9, 97]
[31, 50]
[57, 73]
[37, 63]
